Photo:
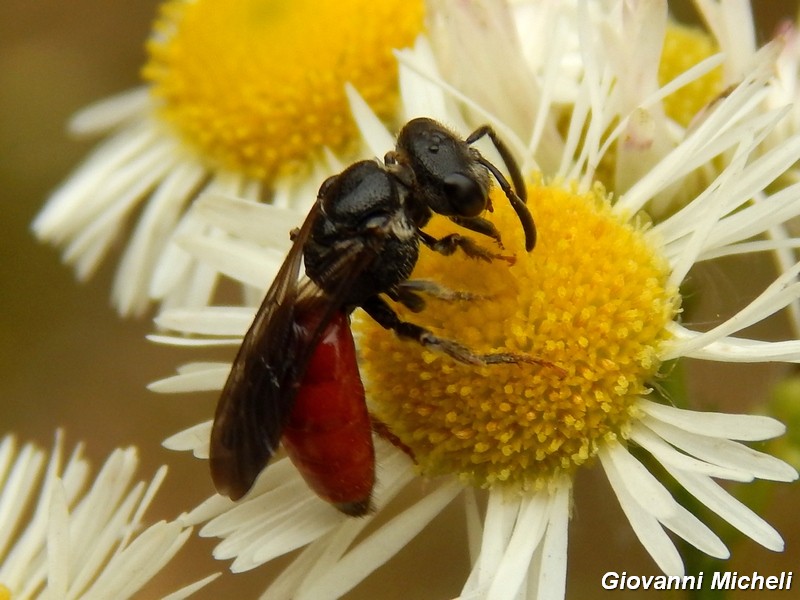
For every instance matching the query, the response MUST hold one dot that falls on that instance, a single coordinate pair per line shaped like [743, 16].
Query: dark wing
[260, 391]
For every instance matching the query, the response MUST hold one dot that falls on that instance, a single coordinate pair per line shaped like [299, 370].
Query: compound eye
[465, 195]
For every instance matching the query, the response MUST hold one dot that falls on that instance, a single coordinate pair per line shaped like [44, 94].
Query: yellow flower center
[5, 593]
[591, 299]
[684, 47]
[257, 86]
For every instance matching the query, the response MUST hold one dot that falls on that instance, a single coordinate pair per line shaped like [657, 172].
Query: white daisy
[238, 102]
[598, 298]
[60, 540]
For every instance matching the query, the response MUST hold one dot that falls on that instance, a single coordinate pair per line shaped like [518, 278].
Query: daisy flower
[60, 539]
[598, 300]
[241, 98]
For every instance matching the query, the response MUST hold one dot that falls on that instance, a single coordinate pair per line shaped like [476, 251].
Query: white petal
[525, 539]
[194, 438]
[204, 380]
[730, 349]
[421, 97]
[110, 112]
[242, 261]
[667, 455]
[190, 589]
[497, 530]
[159, 218]
[552, 568]
[721, 425]
[129, 570]
[211, 320]
[649, 491]
[715, 498]
[58, 544]
[380, 546]
[251, 221]
[724, 453]
[375, 134]
[644, 524]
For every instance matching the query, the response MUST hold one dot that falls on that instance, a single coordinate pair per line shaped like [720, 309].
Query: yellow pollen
[591, 300]
[684, 47]
[257, 86]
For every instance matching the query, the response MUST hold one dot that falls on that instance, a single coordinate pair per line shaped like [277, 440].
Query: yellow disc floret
[684, 47]
[591, 301]
[257, 86]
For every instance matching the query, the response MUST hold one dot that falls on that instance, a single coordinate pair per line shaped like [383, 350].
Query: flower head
[243, 98]
[61, 540]
[598, 303]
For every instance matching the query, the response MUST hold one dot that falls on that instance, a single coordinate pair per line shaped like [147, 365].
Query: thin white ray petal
[548, 577]
[84, 194]
[210, 320]
[194, 438]
[17, 491]
[717, 499]
[666, 454]
[381, 545]
[694, 531]
[510, 137]
[742, 248]
[205, 380]
[58, 544]
[650, 492]
[190, 589]
[497, 530]
[375, 134]
[242, 261]
[644, 524]
[474, 524]
[308, 561]
[129, 570]
[177, 270]
[704, 223]
[309, 519]
[252, 221]
[721, 130]
[421, 98]
[135, 523]
[124, 190]
[176, 340]
[152, 231]
[784, 290]
[725, 453]
[729, 349]
[722, 425]
[528, 532]
[107, 113]
[324, 553]
[733, 26]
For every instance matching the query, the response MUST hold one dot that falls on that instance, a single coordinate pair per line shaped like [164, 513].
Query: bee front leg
[450, 243]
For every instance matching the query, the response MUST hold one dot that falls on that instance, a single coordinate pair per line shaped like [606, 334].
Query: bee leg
[408, 297]
[479, 225]
[383, 314]
[437, 290]
[383, 430]
[450, 243]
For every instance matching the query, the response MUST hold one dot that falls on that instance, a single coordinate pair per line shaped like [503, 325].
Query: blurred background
[68, 361]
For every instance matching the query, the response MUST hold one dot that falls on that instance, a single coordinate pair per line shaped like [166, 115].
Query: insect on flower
[295, 379]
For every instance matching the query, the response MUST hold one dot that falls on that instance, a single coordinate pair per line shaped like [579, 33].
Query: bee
[295, 379]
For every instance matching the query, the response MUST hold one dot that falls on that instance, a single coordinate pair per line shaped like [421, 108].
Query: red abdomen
[328, 435]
